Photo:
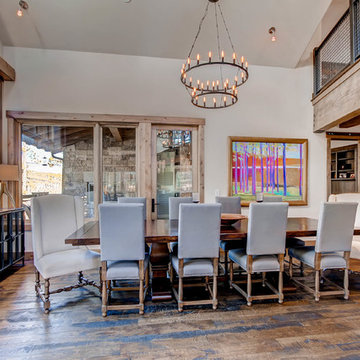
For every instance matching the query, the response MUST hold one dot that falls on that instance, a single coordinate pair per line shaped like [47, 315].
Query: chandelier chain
[218, 42]
[199, 29]
[226, 28]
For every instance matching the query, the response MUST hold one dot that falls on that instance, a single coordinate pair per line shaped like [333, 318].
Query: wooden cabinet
[12, 237]
[344, 169]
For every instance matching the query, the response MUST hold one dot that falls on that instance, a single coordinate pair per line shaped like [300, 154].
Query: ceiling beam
[7, 72]
[116, 134]
[350, 123]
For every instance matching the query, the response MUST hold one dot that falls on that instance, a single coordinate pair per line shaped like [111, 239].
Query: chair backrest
[122, 234]
[133, 200]
[336, 226]
[199, 231]
[270, 198]
[267, 228]
[174, 203]
[348, 197]
[53, 218]
[229, 204]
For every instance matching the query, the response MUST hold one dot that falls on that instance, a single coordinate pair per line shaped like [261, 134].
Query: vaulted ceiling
[164, 28]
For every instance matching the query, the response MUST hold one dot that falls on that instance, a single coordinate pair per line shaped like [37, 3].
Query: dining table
[159, 233]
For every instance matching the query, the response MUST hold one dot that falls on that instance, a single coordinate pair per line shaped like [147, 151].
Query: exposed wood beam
[110, 118]
[116, 134]
[342, 136]
[350, 123]
[7, 72]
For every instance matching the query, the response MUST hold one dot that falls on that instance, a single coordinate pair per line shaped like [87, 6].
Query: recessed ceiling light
[23, 5]
[272, 33]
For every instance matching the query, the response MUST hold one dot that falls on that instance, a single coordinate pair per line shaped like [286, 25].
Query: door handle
[153, 203]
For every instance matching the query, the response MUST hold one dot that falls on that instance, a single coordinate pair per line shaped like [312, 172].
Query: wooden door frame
[143, 126]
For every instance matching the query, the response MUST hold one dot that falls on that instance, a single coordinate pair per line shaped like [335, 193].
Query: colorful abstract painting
[275, 167]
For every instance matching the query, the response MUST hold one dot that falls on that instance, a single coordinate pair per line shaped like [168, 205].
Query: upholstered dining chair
[133, 200]
[229, 205]
[53, 218]
[265, 249]
[198, 253]
[174, 203]
[271, 198]
[122, 243]
[332, 248]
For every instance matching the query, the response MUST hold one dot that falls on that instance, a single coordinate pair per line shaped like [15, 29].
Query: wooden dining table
[300, 231]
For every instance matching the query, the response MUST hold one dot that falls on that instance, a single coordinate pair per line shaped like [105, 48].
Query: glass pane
[174, 167]
[119, 163]
[58, 160]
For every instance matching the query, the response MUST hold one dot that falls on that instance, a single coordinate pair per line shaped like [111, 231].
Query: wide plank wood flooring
[75, 329]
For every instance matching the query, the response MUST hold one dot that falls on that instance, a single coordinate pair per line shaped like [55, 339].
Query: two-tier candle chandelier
[213, 83]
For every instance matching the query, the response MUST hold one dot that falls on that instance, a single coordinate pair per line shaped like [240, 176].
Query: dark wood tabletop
[165, 231]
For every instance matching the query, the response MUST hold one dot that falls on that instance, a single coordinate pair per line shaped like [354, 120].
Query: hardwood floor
[75, 329]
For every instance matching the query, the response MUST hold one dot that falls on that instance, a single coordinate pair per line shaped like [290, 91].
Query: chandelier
[213, 83]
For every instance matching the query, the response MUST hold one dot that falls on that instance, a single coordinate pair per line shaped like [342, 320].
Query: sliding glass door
[174, 161]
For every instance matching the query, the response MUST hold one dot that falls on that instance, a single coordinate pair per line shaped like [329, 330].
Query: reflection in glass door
[174, 168]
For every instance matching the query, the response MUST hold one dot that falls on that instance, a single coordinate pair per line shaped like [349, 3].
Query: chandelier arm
[226, 28]
[199, 29]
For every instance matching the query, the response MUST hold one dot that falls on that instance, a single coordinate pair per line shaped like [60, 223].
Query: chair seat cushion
[233, 244]
[194, 267]
[261, 263]
[67, 262]
[124, 270]
[306, 254]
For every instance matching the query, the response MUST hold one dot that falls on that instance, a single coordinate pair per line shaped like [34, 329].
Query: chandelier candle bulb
[207, 85]
[246, 65]
[209, 56]
[242, 61]
[204, 100]
[213, 85]
[236, 80]
[222, 56]
[198, 84]
[198, 59]
[217, 84]
[234, 58]
[188, 62]
[214, 102]
[224, 100]
[191, 81]
[202, 87]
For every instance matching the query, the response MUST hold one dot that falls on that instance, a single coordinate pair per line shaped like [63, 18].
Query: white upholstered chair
[133, 200]
[198, 253]
[174, 203]
[53, 218]
[333, 245]
[351, 197]
[229, 205]
[272, 198]
[122, 243]
[265, 248]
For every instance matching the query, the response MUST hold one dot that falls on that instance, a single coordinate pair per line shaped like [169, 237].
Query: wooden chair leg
[47, 296]
[206, 283]
[171, 273]
[226, 257]
[147, 277]
[290, 267]
[141, 287]
[37, 282]
[317, 285]
[80, 277]
[249, 289]
[215, 269]
[280, 289]
[104, 299]
[180, 305]
[231, 274]
[263, 278]
[346, 284]
[301, 269]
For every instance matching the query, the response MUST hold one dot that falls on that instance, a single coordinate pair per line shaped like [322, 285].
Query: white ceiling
[164, 28]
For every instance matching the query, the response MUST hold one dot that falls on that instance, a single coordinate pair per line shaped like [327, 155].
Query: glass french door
[174, 161]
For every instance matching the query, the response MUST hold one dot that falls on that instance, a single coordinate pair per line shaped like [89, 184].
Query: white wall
[275, 102]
